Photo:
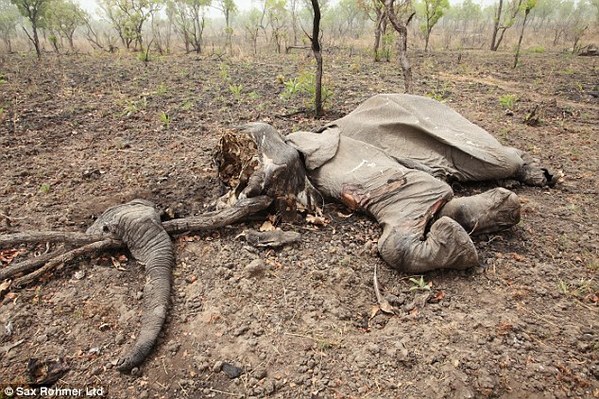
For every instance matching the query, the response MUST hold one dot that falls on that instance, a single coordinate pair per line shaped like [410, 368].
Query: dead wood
[28, 237]
[289, 48]
[217, 219]
[29, 264]
[88, 244]
[68, 256]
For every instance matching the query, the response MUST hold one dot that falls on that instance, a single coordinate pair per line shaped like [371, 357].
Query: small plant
[305, 84]
[508, 100]
[45, 188]
[439, 94]
[165, 119]
[162, 89]
[419, 284]
[223, 72]
[291, 88]
[537, 49]
[131, 107]
[563, 287]
[2, 78]
[236, 91]
[187, 105]
[144, 54]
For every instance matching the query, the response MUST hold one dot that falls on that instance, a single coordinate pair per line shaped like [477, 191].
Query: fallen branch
[28, 237]
[29, 264]
[218, 219]
[66, 257]
[92, 243]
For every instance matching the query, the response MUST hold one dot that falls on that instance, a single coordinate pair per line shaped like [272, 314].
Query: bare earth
[81, 133]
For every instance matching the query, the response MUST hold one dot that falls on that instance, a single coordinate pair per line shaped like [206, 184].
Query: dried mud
[81, 133]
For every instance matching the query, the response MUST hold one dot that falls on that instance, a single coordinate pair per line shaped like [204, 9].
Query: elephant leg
[446, 246]
[491, 211]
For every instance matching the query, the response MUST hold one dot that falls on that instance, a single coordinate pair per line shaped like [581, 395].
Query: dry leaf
[317, 220]
[5, 285]
[267, 226]
[7, 255]
[517, 257]
[374, 311]
[438, 297]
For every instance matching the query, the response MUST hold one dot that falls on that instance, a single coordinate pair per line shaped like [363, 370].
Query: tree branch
[92, 243]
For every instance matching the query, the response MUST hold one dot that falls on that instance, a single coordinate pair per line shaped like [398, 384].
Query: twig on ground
[68, 256]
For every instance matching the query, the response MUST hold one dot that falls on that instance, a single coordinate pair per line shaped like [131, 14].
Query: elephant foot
[491, 211]
[446, 246]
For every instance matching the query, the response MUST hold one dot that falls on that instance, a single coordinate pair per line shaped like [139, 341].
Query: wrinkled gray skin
[137, 224]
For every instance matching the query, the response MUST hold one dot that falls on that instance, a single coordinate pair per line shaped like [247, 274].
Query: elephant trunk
[137, 224]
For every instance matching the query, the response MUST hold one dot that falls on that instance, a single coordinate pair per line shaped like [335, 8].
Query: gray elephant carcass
[425, 134]
[390, 158]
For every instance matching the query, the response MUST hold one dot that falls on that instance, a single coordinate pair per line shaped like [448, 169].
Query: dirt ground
[81, 133]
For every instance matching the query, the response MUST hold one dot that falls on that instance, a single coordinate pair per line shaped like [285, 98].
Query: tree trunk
[34, 39]
[318, 56]
[402, 44]
[495, 45]
[526, 12]
[377, 36]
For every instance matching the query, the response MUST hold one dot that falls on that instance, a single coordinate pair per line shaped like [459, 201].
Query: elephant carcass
[404, 201]
[137, 224]
[425, 134]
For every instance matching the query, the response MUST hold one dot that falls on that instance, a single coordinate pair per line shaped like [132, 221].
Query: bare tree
[375, 10]
[252, 25]
[276, 14]
[9, 18]
[190, 19]
[404, 9]
[35, 12]
[528, 6]
[504, 19]
[63, 18]
[315, 39]
[128, 18]
[228, 8]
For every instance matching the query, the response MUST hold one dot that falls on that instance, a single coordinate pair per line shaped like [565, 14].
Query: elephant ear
[137, 224]
[317, 148]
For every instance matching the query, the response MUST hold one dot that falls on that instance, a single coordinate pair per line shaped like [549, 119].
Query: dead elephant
[390, 158]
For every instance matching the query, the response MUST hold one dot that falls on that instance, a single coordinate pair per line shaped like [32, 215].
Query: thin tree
[228, 8]
[431, 12]
[375, 10]
[405, 8]
[190, 20]
[504, 19]
[9, 18]
[528, 6]
[34, 11]
[63, 18]
[316, 50]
